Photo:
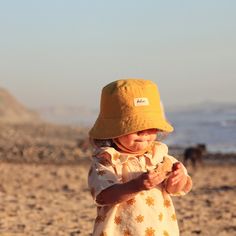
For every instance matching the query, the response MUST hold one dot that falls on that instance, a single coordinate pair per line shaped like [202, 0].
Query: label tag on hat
[141, 102]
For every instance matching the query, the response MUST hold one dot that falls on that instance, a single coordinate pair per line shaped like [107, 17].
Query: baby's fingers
[176, 166]
[176, 177]
[154, 178]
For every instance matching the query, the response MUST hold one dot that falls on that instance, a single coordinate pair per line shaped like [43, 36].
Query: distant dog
[194, 155]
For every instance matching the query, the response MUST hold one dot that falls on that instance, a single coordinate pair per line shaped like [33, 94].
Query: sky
[61, 53]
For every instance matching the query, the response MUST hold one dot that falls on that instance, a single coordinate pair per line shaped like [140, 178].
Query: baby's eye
[141, 132]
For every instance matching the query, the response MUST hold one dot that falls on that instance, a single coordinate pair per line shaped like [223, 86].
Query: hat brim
[106, 128]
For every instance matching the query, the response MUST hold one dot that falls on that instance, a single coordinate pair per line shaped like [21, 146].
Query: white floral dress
[149, 213]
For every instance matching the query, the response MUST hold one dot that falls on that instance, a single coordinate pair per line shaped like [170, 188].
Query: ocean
[214, 125]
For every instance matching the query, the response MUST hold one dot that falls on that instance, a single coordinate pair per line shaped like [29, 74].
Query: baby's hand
[149, 180]
[177, 179]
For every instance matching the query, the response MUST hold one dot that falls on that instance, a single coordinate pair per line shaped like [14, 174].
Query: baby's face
[138, 141]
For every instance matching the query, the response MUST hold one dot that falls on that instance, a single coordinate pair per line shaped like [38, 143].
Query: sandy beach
[39, 198]
[54, 200]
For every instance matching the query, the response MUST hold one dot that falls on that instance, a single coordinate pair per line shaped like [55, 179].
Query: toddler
[131, 192]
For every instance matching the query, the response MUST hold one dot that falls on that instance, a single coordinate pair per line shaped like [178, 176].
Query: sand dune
[12, 111]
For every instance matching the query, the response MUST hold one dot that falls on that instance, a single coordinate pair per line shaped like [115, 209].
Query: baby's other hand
[177, 179]
[178, 173]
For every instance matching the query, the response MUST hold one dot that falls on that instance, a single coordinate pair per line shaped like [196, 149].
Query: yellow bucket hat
[128, 106]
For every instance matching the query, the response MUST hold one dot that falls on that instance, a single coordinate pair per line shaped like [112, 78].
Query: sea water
[214, 126]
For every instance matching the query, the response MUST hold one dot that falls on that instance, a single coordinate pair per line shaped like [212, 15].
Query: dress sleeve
[101, 176]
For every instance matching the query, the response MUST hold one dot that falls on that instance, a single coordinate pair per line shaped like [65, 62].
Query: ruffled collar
[154, 154]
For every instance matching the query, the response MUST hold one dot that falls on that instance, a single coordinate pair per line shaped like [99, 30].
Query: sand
[44, 200]
[43, 186]
[53, 200]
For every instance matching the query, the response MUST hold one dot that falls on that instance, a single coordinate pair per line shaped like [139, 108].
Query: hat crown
[126, 97]
[128, 106]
